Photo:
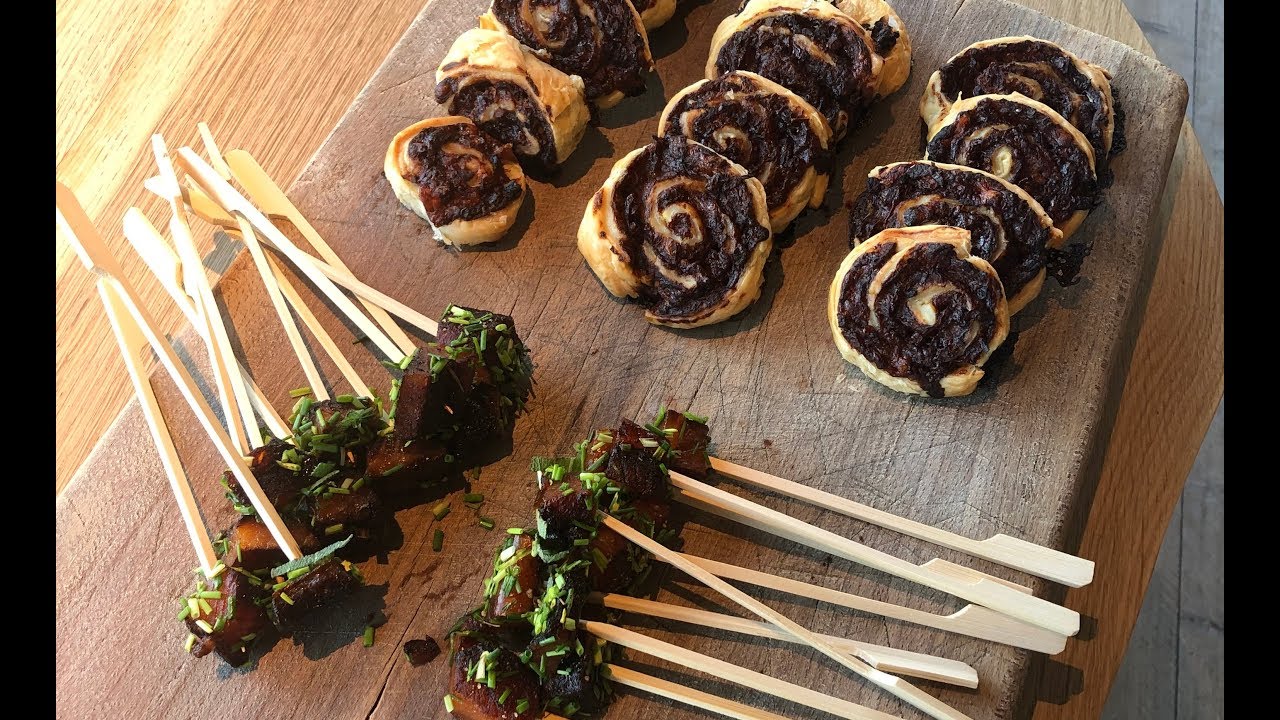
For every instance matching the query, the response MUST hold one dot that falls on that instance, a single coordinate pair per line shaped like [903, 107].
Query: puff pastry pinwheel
[682, 229]
[811, 48]
[601, 41]
[452, 174]
[513, 96]
[1007, 227]
[1077, 89]
[888, 38]
[1027, 143]
[916, 312]
[655, 13]
[767, 129]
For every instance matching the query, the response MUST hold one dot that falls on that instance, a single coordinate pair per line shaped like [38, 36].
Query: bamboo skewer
[226, 196]
[267, 195]
[132, 343]
[894, 685]
[231, 393]
[730, 672]
[880, 657]
[1003, 549]
[996, 596]
[167, 268]
[686, 695]
[314, 379]
[971, 620]
[93, 252]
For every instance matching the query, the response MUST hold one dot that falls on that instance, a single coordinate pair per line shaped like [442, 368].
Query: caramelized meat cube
[395, 466]
[637, 473]
[427, 402]
[648, 515]
[235, 618]
[566, 512]
[253, 548]
[489, 342]
[481, 673]
[483, 434]
[471, 323]
[575, 685]
[689, 440]
[614, 562]
[509, 592]
[281, 485]
[358, 511]
[324, 585]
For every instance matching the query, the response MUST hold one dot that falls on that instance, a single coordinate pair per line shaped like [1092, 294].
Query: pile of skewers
[543, 639]
[313, 483]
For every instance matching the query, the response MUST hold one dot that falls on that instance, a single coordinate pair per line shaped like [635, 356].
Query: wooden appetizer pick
[93, 252]
[686, 695]
[132, 344]
[732, 673]
[314, 379]
[894, 685]
[1003, 549]
[267, 195]
[234, 398]
[880, 657]
[226, 196]
[996, 596]
[971, 620]
[166, 266]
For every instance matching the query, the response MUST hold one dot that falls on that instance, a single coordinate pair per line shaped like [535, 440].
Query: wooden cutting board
[1020, 456]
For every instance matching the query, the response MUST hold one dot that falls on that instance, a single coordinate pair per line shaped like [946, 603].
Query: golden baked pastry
[811, 48]
[601, 41]
[1027, 143]
[681, 229]
[449, 172]
[1077, 89]
[889, 38]
[655, 13]
[1007, 227]
[916, 312]
[767, 129]
[513, 96]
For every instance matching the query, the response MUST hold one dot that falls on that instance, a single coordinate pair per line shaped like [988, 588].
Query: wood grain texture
[996, 462]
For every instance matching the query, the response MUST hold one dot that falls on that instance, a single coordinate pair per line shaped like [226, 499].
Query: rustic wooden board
[1019, 456]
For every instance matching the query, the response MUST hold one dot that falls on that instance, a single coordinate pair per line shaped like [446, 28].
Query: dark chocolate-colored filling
[962, 196]
[901, 345]
[476, 98]
[768, 47]
[709, 198]
[607, 52]
[883, 36]
[780, 146]
[459, 185]
[1021, 67]
[1047, 162]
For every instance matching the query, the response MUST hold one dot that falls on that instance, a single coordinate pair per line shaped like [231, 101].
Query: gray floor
[1174, 666]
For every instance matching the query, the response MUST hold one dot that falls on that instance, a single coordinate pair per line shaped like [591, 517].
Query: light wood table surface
[275, 77]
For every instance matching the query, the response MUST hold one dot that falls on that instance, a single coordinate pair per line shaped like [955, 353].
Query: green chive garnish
[299, 392]
[437, 540]
[473, 497]
[441, 509]
[285, 597]
[486, 523]
[368, 635]
[190, 643]
[448, 704]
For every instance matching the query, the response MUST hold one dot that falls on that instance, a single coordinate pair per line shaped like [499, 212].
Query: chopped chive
[696, 418]
[194, 606]
[297, 573]
[186, 612]
[521, 705]
[404, 361]
[357, 484]
[247, 638]
[216, 570]
[190, 643]
[368, 635]
[448, 704]
[515, 531]
[437, 540]
[346, 484]
[204, 626]
[662, 414]
[205, 607]
[582, 542]
[502, 699]
[486, 523]
[473, 497]
[339, 491]
[332, 530]
[394, 469]
[210, 594]
[345, 399]
[299, 392]
[285, 597]
[441, 509]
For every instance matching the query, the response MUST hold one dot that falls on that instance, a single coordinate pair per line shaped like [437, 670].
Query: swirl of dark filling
[883, 36]
[769, 47]
[524, 125]
[755, 127]
[597, 40]
[709, 237]
[893, 339]
[1041, 71]
[1003, 228]
[1047, 161]
[460, 172]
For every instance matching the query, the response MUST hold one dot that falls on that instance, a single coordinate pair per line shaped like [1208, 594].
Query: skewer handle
[1003, 549]
[686, 695]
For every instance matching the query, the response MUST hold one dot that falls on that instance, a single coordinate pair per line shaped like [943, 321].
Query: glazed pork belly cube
[636, 472]
[397, 467]
[566, 511]
[250, 543]
[358, 512]
[574, 686]
[322, 586]
[509, 591]
[483, 434]
[488, 682]
[501, 357]
[233, 619]
[280, 484]
[427, 402]
[689, 439]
